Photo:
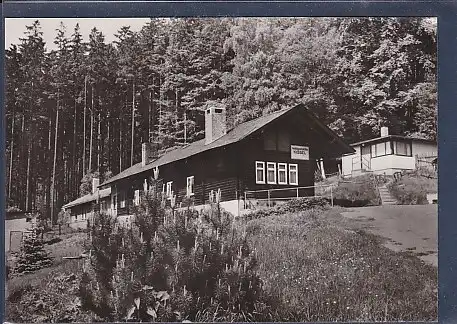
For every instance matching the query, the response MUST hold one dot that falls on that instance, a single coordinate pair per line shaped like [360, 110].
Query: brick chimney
[215, 123]
[95, 183]
[384, 131]
[149, 153]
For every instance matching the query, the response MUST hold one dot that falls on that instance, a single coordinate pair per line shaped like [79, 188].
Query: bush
[291, 206]
[171, 266]
[412, 189]
[13, 209]
[361, 191]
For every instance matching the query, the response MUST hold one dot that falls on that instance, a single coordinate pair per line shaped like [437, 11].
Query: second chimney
[149, 153]
[95, 183]
[384, 131]
[215, 123]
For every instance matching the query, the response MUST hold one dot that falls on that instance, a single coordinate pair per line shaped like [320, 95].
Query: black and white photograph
[226, 169]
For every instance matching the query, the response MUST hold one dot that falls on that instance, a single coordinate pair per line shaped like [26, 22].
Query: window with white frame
[402, 148]
[190, 186]
[121, 197]
[169, 189]
[259, 172]
[271, 172]
[293, 174]
[114, 202]
[136, 199]
[282, 173]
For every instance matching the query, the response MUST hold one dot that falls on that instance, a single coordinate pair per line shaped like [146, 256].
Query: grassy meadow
[321, 270]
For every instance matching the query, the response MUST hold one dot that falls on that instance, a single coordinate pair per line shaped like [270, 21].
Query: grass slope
[322, 272]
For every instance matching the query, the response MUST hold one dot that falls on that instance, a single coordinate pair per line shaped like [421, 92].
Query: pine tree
[169, 266]
[33, 256]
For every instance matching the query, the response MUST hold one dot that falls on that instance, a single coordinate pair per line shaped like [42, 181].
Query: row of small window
[276, 173]
[189, 187]
[167, 189]
[386, 148]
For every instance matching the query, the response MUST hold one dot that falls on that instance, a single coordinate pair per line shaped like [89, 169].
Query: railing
[272, 196]
[427, 161]
[362, 163]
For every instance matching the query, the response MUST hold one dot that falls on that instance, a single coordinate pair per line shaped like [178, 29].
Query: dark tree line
[86, 107]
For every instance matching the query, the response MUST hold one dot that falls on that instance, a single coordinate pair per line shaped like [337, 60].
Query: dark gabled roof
[103, 193]
[393, 137]
[234, 135]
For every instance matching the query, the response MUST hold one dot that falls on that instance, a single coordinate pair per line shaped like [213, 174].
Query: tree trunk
[160, 109]
[10, 172]
[120, 144]
[109, 143]
[21, 164]
[27, 186]
[149, 116]
[84, 127]
[133, 124]
[48, 162]
[54, 162]
[91, 130]
[185, 127]
[98, 146]
[73, 155]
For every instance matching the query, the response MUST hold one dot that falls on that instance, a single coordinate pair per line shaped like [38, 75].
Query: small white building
[386, 154]
[16, 223]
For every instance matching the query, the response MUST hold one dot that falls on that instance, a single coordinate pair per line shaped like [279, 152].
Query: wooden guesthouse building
[278, 150]
[83, 209]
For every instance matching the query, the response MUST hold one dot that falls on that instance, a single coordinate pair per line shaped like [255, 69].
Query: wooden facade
[232, 168]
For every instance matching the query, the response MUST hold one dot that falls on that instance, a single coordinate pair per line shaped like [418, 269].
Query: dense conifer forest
[86, 107]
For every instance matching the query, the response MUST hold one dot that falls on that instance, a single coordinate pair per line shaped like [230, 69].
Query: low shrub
[412, 189]
[13, 209]
[291, 206]
[48, 295]
[359, 192]
[52, 241]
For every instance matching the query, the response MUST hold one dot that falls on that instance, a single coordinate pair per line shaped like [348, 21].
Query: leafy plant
[360, 191]
[412, 189]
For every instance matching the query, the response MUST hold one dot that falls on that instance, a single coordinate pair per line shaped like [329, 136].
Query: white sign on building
[298, 152]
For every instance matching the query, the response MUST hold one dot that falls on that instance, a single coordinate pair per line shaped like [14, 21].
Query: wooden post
[331, 195]
[268, 197]
[245, 200]
[322, 168]
[297, 192]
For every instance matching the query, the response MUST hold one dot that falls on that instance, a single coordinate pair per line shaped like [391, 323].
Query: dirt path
[407, 228]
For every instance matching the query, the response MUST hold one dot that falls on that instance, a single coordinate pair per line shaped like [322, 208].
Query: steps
[386, 197]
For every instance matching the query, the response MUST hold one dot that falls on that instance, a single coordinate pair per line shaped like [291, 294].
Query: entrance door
[365, 157]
